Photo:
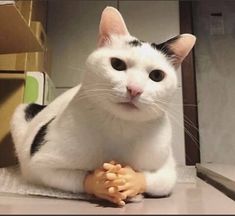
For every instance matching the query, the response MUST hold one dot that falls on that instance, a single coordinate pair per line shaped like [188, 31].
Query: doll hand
[95, 184]
[133, 182]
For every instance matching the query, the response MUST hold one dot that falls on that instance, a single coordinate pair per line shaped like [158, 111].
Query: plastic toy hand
[95, 184]
[133, 182]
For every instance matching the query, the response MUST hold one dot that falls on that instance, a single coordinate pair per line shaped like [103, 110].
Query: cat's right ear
[111, 23]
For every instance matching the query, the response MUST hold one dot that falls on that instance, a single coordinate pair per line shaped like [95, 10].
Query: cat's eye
[118, 64]
[156, 75]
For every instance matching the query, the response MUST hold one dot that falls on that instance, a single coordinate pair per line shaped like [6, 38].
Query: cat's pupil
[118, 64]
[157, 75]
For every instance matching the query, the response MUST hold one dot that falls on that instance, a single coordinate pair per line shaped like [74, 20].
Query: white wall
[215, 68]
[72, 32]
[73, 28]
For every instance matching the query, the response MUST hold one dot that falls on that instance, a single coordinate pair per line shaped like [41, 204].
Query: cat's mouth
[128, 105]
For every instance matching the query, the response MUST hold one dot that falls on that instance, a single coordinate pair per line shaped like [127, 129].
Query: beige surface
[187, 198]
[226, 170]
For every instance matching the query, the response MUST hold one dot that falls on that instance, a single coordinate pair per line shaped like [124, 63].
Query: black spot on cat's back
[39, 139]
[135, 43]
[32, 110]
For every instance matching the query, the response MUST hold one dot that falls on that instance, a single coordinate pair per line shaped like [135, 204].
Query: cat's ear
[178, 47]
[111, 23]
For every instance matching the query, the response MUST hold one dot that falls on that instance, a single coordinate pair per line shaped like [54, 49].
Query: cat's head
[130, 78]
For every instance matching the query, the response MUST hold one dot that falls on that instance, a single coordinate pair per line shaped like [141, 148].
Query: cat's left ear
[178, 47]
[111, 23]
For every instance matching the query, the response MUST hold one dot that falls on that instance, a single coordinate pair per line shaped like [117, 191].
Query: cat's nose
[134, 91]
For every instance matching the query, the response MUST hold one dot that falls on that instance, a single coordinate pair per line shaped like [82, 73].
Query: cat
[117, 113]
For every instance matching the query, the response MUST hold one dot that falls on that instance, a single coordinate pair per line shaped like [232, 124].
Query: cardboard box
[25, 8]
[39, 32]
[16, 35]
[11, 94]
[37, 61]
[39, 12]
[32, 61]
[13, 62]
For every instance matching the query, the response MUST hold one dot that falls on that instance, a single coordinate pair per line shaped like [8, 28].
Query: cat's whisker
[185, 119]
[95, 95]
[194, 139]
[96, 84]
[99, 89]
[76, 68]
[186, 130]
[177, 104]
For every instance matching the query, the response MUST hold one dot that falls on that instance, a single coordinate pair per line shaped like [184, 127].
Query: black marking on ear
[135, 43]
[172, 40]
[32, 110]
[165, 47]
[39, 139]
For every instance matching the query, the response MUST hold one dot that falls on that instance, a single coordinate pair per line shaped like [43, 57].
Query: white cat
[117, 113]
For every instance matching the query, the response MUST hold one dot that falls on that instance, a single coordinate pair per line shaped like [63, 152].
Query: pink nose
[134, 90]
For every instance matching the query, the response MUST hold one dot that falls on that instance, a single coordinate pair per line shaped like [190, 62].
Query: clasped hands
[115, 183]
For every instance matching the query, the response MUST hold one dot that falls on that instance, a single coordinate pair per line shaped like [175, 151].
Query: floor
[188, 198]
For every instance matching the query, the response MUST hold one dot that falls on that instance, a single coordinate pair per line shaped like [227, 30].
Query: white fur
[90, 128]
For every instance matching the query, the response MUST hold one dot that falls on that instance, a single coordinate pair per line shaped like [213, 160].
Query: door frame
[189, 89]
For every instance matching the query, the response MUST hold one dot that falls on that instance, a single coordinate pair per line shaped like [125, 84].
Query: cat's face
[129, 78]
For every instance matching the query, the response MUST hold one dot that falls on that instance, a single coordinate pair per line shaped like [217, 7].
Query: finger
[112, 190]
[114, 183]
[112, 162]
[112, 168]
[121, 203]
[108, 166]
[114, 198]
[117, 196]
[111, 176]
[122, 171]
[123, 187]
[111, 199]
[115, 168]
[99, 173]
[127, 193]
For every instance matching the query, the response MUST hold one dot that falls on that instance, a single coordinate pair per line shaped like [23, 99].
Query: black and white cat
[117, 113]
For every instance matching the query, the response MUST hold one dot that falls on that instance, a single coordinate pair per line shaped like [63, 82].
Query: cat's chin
[128, 106]
[130, 112]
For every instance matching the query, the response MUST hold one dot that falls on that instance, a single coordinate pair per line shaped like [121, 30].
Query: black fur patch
[135, 43]
[165, 47]
[39, 139]
[32, 110]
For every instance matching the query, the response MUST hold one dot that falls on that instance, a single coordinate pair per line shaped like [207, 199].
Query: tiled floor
[188, 198]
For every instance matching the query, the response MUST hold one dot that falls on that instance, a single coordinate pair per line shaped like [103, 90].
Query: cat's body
[112, 115]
